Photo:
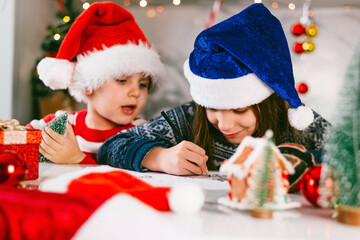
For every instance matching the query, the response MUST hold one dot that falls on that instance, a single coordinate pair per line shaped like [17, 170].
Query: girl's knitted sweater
[128, 148]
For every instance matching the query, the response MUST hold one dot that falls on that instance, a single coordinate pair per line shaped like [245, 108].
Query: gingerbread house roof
[246, 154]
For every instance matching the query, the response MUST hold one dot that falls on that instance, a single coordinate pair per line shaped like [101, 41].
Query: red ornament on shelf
[12, 169]
[310, 184]
[302, 88]
[298, 29]
[298, 47]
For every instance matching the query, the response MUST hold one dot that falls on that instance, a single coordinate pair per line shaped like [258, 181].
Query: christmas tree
[59, 125]
[264, 174]
[340, 176]
[65, 15]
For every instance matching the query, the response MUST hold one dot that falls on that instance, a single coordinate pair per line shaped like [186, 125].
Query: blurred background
[321, 34]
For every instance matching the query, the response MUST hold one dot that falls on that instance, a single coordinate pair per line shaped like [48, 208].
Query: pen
[177, 133]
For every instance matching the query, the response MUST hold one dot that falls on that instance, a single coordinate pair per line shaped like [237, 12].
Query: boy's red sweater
[89, 139]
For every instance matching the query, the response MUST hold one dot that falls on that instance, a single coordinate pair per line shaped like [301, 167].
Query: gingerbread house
[258, 167]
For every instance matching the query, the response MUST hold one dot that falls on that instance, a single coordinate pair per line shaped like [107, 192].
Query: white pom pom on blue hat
[243, 60]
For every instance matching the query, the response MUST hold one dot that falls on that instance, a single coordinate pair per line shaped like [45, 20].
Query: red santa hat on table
[95, 203]
[105, 182]
[87, 210]
[107, 44]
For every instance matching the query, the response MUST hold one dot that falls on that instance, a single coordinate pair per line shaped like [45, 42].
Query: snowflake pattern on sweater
[128, 148]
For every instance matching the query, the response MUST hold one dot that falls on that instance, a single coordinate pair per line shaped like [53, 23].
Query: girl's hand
[186, 158]
[61, 149]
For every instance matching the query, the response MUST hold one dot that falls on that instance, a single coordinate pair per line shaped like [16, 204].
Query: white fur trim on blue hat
[226, 93]
[301, 117]
[55, 73]
[98, 67]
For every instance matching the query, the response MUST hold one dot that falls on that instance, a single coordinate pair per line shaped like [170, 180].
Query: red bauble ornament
[298, 47]
[310, 184]
[12, 169]
[302, 88]
[298, 29]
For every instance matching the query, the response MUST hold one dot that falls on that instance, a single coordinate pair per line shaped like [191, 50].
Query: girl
[241, 81]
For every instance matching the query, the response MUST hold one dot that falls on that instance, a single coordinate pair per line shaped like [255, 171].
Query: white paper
[215, 181]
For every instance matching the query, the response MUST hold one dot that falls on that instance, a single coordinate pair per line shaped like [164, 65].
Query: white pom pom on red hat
[56, 73]
[186, 198]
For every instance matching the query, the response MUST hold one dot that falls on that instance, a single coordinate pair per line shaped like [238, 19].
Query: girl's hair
[271, 113]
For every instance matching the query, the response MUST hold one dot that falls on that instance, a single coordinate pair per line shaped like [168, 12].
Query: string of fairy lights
[145, 3]
[151, 12]
[157, 6]
[304, 30]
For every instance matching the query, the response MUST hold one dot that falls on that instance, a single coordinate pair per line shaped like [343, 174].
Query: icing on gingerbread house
[258, 175]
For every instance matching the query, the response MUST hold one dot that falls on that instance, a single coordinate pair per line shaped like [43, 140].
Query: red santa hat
[95, 203]
[105, 182]
[107, 44]
[84, 215]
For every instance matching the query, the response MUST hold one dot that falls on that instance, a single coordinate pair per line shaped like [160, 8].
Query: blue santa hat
[241, 61]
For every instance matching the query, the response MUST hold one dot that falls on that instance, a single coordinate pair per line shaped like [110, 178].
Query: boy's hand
[61, 149]
[186, 158]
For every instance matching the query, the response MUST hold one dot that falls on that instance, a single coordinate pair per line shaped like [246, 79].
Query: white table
[218, 222]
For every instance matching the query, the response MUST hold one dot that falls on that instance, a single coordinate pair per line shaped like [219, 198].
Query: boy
[115, 68]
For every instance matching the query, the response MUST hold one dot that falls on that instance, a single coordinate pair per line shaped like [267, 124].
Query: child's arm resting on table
[154, 146]
[130, 151]
[185, 158]
[127, 150]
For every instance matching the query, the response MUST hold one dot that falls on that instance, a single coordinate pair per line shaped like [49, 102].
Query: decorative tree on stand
[340, 177]
[264, 181]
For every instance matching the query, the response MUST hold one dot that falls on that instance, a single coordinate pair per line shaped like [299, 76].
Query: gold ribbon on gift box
[12, 124]
[11, 132]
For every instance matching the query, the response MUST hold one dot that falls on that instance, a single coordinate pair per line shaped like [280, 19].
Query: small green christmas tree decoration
[65, 16]
[59, 125]
[263, 192]
[264, 174]
[340, 175]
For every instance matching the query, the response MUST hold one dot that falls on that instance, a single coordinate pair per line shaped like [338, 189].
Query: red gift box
[26, 144]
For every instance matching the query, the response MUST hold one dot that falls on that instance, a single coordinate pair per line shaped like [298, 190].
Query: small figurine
[258, 176]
